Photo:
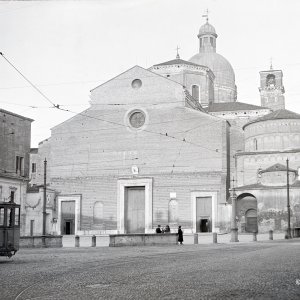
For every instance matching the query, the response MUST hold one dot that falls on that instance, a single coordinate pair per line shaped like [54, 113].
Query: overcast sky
[67, 48]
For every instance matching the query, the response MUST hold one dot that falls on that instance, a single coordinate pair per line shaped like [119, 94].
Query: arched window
[98, 213]
[173, 211]
[195, 92]
[270, 80]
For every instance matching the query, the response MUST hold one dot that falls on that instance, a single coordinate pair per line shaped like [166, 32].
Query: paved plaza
[252, 270]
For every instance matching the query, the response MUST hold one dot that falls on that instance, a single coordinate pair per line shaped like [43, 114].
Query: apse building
[165, 145]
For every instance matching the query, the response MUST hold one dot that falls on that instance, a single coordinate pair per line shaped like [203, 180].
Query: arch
[270, 80]
[173, 211]
[98, 214]
[246, 206]
[196, 92]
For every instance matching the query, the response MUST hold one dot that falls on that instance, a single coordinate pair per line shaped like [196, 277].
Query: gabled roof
[276, 115]
[15, 115]
[178, 61]
[132, 68]
[233, 106]
[277, 167]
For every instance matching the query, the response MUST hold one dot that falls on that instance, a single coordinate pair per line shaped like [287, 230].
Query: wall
[182, 149]
[273, 135]
[272, 208]
[16, 144]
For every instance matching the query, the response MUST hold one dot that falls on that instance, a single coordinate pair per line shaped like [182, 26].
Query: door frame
[77, 199]
[135, 182]
[214, 208]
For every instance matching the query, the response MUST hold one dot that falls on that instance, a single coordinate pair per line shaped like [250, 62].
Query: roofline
[15, 115]
[267, 152]
[270, 71]
[257, 121]
[131, 69]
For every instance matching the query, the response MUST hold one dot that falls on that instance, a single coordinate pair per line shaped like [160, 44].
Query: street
[255, 270]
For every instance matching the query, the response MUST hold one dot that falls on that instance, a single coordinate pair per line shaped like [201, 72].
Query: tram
[9, 228]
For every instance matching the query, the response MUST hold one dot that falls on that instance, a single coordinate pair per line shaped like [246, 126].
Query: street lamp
[288, 236]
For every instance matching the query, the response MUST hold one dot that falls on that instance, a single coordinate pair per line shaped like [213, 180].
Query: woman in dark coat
[180, 235]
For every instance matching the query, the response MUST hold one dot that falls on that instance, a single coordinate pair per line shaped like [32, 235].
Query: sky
[66, 48]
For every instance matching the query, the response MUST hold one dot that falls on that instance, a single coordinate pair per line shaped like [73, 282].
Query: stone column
[234, 229]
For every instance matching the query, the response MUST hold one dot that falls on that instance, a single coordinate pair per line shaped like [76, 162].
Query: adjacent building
[15, 135]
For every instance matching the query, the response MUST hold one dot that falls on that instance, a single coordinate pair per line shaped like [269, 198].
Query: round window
[137, 119]
[136, 83]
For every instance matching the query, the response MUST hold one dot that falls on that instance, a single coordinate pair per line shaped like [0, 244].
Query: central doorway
[134, 209]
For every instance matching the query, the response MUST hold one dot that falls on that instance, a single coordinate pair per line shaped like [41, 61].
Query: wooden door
[135, 210]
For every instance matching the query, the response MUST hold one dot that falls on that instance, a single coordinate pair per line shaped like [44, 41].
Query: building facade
[165, 145]
[15, 135]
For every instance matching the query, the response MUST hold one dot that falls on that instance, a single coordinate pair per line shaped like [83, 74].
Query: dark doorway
[204, 225]
[68, 217]
[203, 214]
[68, 227]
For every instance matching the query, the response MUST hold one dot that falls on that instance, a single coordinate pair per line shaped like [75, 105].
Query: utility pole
[44, 200]
[288, 199]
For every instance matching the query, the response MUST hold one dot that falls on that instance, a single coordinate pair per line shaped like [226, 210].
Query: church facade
[166, 145]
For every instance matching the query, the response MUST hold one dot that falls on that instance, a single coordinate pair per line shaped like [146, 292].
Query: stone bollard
[77, 243]
[254, 236]
[93, 241]
[271, 235]
[215, 238]
[195, 238]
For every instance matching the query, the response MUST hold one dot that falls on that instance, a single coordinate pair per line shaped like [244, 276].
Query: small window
[1, 216]
[195, 92]
[201, 43]
[212, 41]
[33, 167]
[12, 196]
[19, 165]
[17, 216]
[9, 219]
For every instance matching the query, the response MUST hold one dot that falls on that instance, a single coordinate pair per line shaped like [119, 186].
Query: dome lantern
[207, 38]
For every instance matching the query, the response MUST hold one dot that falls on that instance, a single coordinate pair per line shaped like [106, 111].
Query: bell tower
[271, 89]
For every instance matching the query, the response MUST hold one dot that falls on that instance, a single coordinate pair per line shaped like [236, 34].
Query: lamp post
[288, 199]
[44, 204]
[234, 229]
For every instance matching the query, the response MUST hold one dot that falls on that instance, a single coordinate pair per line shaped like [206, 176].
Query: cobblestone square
[257, 270]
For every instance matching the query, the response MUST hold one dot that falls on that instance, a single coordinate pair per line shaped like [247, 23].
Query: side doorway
[67, 217]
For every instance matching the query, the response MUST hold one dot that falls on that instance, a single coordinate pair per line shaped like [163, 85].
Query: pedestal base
[234, 235]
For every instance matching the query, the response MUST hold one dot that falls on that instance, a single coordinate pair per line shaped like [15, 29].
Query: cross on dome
[206, 15]
[177, 55]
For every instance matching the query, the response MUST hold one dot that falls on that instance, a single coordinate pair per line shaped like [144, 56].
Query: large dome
[220, 66]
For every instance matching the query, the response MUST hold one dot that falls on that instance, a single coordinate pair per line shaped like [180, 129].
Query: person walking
[180, 235]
